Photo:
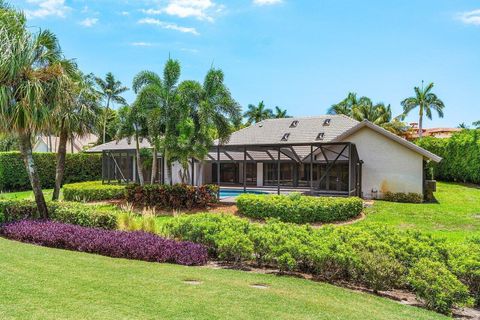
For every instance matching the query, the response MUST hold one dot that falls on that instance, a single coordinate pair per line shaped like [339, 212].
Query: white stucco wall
[260, 174]
[388, 166]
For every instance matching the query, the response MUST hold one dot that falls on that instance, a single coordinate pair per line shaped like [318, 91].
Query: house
[50, 143]
[330, 154]
[441, 133]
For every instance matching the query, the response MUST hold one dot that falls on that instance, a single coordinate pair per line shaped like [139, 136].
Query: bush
[117, 244]
[437, 286]
[299, 209]
[68, 212]
[78, 167]
[403, 197]
[177, 196]
[92, 191]
[460, 153]
[375, 256]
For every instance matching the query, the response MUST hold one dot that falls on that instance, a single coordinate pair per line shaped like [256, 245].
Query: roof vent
[320, 136]
[326, 122]
[294, 124]
[285, 137]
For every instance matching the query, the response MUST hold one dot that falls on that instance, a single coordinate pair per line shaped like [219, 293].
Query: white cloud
[168, 25]
[89, 22]
[45, 8]
[124, 13]
[199, 9]
[141, 44]
[266, 2]
[470, 17]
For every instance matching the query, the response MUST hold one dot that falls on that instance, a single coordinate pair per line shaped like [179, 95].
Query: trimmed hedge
[375, 256]
[68, 212]
[92, 191]
[460, 153]
[177, 196]
[410, 197]
[78, 167]
[299, 209]
[117, 244]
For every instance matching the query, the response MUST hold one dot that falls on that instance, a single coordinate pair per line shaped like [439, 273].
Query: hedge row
[69, 212]
[374, 256]
[78, 167]
[402, 197]
[177, 196]
[299, 209]
[460, 153]
[92, 191]
[117, 244]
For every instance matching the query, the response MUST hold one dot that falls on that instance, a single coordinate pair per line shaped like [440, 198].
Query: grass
[455, 216]
[21, 195]
[44, 283]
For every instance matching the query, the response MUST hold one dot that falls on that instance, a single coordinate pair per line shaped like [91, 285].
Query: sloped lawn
[44, 283]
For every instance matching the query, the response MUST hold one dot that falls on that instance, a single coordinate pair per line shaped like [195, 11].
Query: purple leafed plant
[118, 244]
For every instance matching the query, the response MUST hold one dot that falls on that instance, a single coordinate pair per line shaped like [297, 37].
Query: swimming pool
[225, 193]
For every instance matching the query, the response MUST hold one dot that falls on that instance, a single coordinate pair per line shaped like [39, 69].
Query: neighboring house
[441, 133]
[331, 154]
[50, 143]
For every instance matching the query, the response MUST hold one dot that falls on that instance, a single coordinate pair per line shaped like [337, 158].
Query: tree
[158, 97]
[111, 91]
[258, 113]
[346, 106]
[463, 125]
[75, 115]
[362, 109]
[210, 113]
[279, 113]
[426, 101]
[30, 65]
[476, 124]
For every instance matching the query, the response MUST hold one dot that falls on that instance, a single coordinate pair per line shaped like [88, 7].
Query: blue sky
[300, 55]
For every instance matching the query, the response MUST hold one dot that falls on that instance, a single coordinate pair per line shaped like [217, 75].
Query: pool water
[225, 193]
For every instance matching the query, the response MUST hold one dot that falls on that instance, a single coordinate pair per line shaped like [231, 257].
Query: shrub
[70, 212]
[92, 191]
[117, 244]
[299, 209]
[78, 167]
[437, 286]
[178, 196]
[460, 153]
[410, 197]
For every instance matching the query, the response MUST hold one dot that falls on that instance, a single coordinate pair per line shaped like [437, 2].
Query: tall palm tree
[158, 97]
[111, 90]
[258, 113]
[346, 106]
[74, 116]
[210, 113]
[366, 110]
[426, 101]
[280, 113]
[30, 66]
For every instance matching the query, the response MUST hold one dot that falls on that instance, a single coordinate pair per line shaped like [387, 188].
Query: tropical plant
[31, 64]
[74, 116]
[257, 113]
[476, 124]
[463, 125]
[426, 101]
[281, 113]
[362, 109]
[8, 142]
[111, 91]
[158, 98]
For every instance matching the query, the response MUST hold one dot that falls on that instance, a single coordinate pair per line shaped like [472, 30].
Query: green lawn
[455, 216]
[25, 195]
[44, 283]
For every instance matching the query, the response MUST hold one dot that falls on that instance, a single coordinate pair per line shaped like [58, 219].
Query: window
[326, 123]
[320, 136]
[294, 124]
[285, 137]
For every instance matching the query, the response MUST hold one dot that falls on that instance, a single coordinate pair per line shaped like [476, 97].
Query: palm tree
[258, 113]
[74, 116]
[279, 113]
[111, 90]
[210, 113]
[426, 101]
[378, 114]
[476, 124]
[30, 66]
[346, 106]
[158, 97]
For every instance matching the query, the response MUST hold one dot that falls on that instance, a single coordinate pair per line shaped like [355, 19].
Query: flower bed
[177, 196]
[117, 244]
[93, 191]
[299, 209]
